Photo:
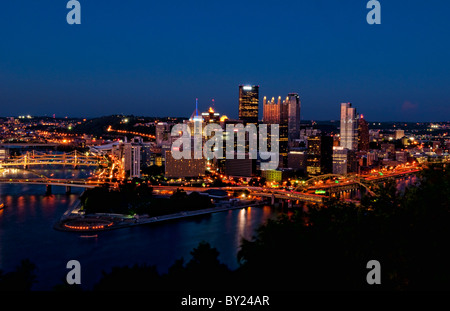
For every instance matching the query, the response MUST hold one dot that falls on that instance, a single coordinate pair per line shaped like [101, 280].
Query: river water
[26, 232]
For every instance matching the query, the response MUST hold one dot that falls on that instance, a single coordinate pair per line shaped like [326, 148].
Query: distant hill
[98, 126]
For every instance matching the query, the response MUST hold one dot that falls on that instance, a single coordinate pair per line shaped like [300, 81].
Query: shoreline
[103, 222]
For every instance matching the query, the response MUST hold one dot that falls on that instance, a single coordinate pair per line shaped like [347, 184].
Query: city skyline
[224, 154]
[152, 58]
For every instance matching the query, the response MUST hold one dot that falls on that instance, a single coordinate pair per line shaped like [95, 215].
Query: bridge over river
[315, 190]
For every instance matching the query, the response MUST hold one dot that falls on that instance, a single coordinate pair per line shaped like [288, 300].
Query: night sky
[154, 58]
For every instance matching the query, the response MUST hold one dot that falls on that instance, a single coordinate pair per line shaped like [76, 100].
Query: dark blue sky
[154, 58]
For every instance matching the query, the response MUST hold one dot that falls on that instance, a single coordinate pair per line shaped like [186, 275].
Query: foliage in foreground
[326, 249]
[406, 232]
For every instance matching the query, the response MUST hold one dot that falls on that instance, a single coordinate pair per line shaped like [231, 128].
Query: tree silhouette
[325, 249]
[407, 232]
[21, 279]
[135, 278]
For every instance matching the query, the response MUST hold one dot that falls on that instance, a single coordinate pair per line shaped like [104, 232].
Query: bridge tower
[75, 162]
[25, 161]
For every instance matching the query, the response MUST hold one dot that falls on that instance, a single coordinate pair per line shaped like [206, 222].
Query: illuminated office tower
[211, 116]
[162, 133]
[284, 130]
[196, 125]
[277, 113]
[132, 160]
[363, 134]
[271, 110]
[293, 102]
[399, 134]
[248, 103]
[196, 121]
[349, 127]
[340, 160]
[319, 156]
[184, 167]
[240, 167]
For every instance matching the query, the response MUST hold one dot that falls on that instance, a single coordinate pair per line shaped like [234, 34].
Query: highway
[254, 191]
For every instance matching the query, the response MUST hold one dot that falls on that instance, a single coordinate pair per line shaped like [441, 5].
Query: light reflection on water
[26, 231]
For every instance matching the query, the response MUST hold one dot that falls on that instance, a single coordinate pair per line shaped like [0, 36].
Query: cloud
[409, 107]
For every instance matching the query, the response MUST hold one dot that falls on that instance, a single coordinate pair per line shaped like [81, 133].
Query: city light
[323, 178]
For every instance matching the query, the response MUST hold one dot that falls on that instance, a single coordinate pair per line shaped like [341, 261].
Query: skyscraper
[248, 103]
[363, 134]
[349, 127]
[284, 130]
[211, 116]
[271, 110]
[277, 113]
[293, 101]
[131, 159]
[162, 133]
[340, 160]
[319, 159]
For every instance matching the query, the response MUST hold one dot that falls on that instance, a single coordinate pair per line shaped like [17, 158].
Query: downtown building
[277, 113]
[182, 168]
[344, 161]
[162, 132]
[363, 134]
[286, 114]
[319, 155]
[248, 104]
[129, 154]
[340, 160]
[348, 127]
[245, 168]
[354, 136]
[4, 154]
[293, 103]
[212, 116]
[399, 134]
[297, 160]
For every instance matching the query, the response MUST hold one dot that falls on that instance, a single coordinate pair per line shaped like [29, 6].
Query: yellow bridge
[74, 158]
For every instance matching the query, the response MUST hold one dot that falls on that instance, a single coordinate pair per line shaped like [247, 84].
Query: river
[26, 232]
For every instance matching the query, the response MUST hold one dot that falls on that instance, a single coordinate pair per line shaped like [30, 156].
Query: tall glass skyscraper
[278, 113]
[293, 101]
[319, 158]
[248, 103]
[363, 134]
[349, 127]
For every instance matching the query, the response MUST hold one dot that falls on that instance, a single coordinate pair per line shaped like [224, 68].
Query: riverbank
[27, 231]
[74, 221]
